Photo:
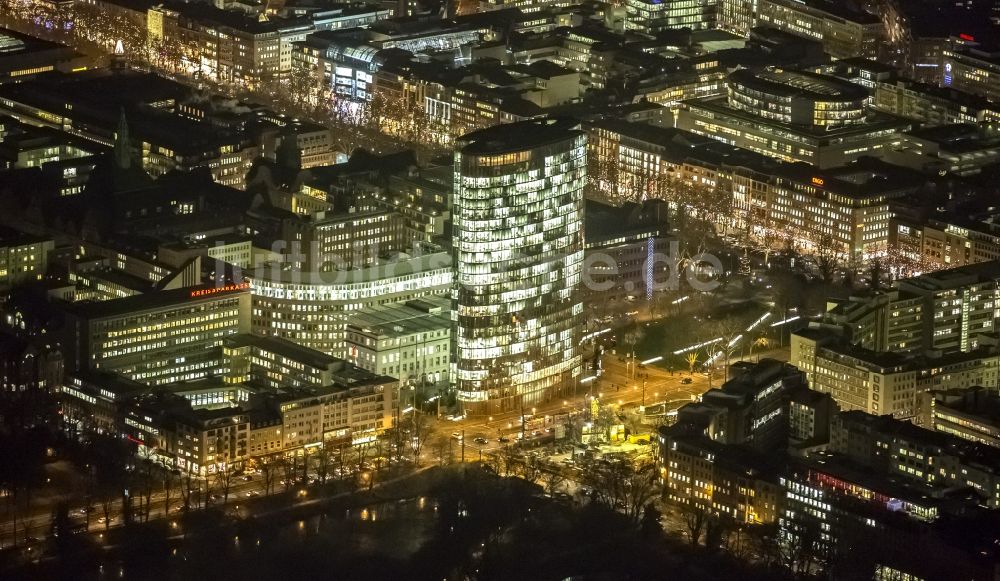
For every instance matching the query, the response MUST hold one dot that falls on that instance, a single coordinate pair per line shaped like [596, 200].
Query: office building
[23, 258]
[699, 473]
[90, 105]
[901, 449]
[975, 70]
[226, 46]
[946, 311]
[626, 250]
[886, 382]
[158, 337]
[518, 239]
[844, 30]
[312, 308]
[274, 363]
[971, 414]
[794, 116]
[961, 149]
[23, 57]
[845, 210]
[28, 363]
[809, 415]
[329, 241]
[272, 398]
[751, 409]
[931, 105]
[410, 341]
[652, 16]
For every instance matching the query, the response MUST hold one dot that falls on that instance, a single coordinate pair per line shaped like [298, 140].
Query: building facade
[311, 308]
[518, 237]
[159, 337]
[410, 341]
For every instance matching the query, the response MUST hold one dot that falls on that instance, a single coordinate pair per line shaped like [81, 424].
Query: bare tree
[268, 470]
[420, 431]
[145, 473]
[223, 480]
[168, 487]
[623, 485]
[324, 462]
[288, 470]
[552, 480]
[441, 447]
[829, 256]
[695, 519]
[530, 469]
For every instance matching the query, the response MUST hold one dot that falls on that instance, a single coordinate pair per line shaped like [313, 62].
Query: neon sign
[220, 289]
[967, 37]
[817, 181]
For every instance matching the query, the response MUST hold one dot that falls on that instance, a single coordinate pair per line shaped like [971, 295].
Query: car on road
[480, 440]
[504, 439]
[686, 380]
[457, 435]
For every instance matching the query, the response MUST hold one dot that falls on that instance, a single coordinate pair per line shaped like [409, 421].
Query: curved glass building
[798, 98]
[518, 238]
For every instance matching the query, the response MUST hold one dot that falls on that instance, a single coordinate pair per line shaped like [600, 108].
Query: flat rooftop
[520, 136]
[160, 299]
[430, 313]
[800, 84]
[718, 106]
[285, 348]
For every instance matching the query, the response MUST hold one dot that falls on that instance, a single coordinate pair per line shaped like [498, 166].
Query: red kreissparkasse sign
[219, 289]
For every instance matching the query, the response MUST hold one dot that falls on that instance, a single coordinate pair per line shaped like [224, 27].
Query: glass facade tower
[518, 236]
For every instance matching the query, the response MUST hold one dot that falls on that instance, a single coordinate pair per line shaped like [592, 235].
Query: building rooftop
[209, 14]
[285, 348]
[862, 179]
[434, 262]
[875, 122]
[967, 450]
[607, 225]
[430, 313]
[521, 136]
[951, 278]
[95, 99]
[799, 84]
[154, 300]
[846, 10]
[11, 237]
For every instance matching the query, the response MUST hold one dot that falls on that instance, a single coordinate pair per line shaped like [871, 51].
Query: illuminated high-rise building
[652, 16]
[518, 236]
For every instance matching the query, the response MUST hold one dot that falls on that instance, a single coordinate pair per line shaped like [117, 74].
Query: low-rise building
[901, 449]
[886, 382]
[158, 337]
[703, 474]
[627, 252]
[23, 257]
[974, 70]
[312, 308]
[972, 414]
[410, 341]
